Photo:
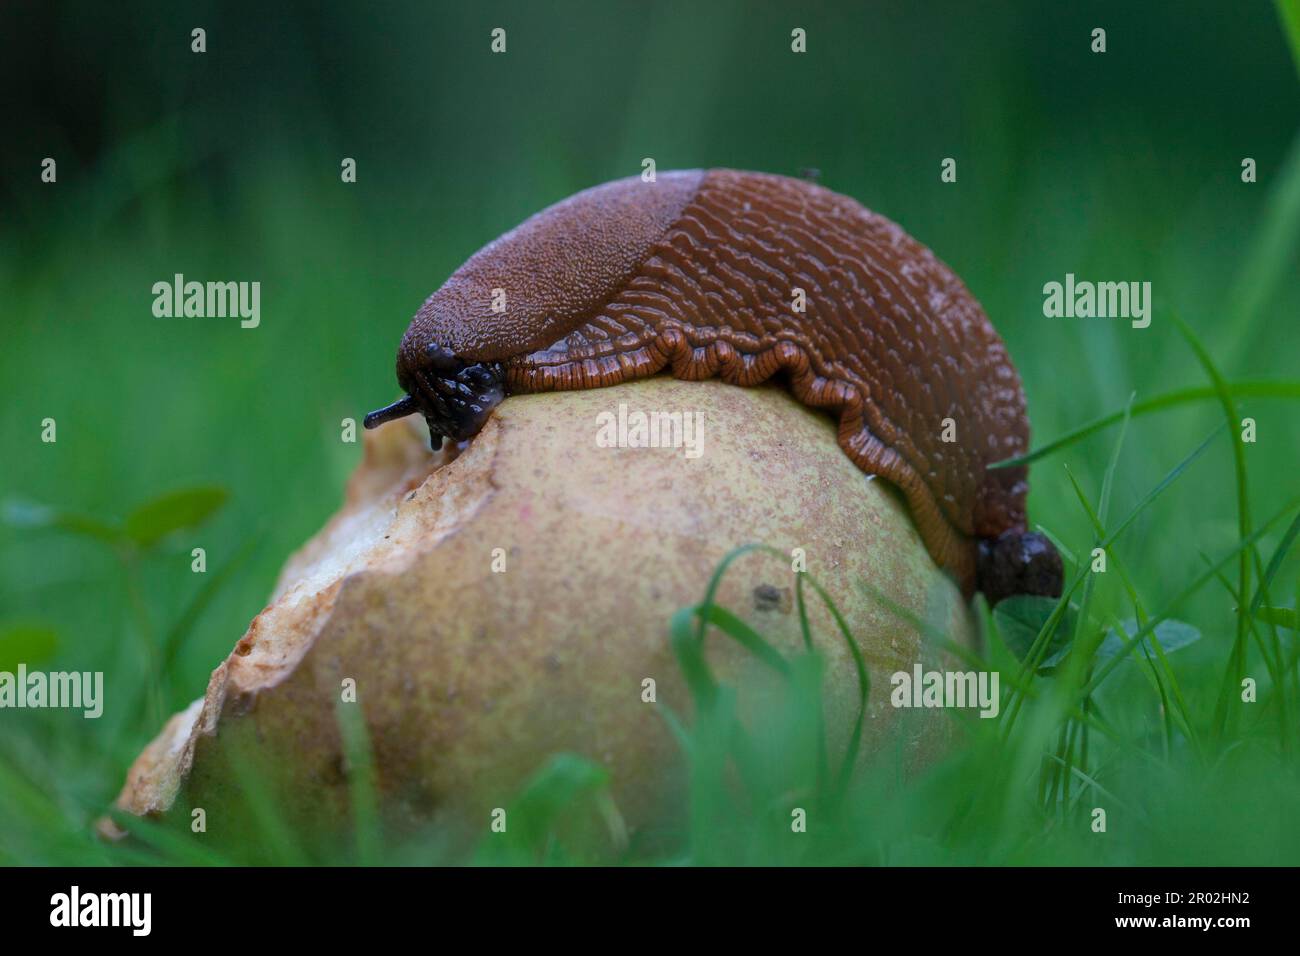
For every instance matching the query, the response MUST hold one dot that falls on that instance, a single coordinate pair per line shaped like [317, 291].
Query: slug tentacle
[454, 397]
[399, 409]
[744, 276]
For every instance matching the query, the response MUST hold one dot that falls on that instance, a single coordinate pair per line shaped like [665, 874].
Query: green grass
[1124, 695]
[1108, 720]
[1186, 771]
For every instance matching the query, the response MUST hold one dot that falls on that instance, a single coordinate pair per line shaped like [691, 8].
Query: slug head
[455, 397]
[1019, 562]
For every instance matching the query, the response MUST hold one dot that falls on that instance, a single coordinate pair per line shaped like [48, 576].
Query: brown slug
[698, 272]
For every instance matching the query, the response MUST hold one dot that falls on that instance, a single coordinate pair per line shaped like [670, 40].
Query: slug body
[697, 273]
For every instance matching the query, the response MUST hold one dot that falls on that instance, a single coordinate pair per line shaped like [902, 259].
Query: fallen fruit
[484, 610]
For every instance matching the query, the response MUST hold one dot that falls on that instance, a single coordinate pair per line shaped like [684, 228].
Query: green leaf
[1191, 589]
[1171, 635]
[1274, 564]
[173, 511]
[26, 644]
[359, 759]
[1288, 11]
[554, 788]
[21, 513]
[1174, 399]
[1021, 617]
[185, 624]
[550, 796]
[744, 635]
[689, 651]
[1281, 616]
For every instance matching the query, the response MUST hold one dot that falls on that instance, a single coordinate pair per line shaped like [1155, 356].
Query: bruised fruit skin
[468, 679]
[696, 273]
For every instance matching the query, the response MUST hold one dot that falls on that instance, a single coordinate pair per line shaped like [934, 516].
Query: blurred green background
[225, 166]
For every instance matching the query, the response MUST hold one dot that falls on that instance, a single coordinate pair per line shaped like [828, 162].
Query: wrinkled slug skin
[695, 273]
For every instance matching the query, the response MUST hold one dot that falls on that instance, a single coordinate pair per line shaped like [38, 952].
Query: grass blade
[1182, 396]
